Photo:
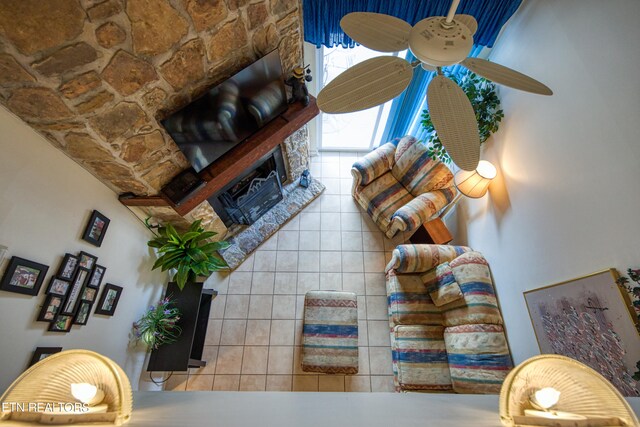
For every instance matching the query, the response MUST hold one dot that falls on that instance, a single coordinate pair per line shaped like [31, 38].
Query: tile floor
[255, 327]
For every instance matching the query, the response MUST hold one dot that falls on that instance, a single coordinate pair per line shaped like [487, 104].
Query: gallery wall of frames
[72, 291]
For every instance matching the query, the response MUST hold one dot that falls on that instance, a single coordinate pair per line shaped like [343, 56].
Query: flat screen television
[230, 112]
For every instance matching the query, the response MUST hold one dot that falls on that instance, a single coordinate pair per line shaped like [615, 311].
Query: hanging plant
[486, 104]
[190, 254]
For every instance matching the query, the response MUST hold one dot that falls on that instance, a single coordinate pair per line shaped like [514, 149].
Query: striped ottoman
[330, 332]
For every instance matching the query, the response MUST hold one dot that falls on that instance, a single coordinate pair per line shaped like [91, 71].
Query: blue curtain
[322, 17]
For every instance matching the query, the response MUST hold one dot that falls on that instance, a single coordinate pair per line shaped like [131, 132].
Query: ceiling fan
[437, 42]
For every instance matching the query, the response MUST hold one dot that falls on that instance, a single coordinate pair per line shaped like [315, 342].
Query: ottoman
[330, 332]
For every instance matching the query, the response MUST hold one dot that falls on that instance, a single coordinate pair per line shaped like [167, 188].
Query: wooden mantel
[233, 163]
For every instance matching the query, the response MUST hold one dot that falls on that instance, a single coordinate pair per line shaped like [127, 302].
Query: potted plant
[486, 104]
[158, 325]
[189, 254]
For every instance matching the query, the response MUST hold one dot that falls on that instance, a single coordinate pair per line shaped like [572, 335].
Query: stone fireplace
[94, 77]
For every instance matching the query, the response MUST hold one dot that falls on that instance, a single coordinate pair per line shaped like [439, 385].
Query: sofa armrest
[373, 165]
[421, 209]
[422, 258]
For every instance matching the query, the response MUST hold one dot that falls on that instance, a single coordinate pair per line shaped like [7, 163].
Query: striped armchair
[400, 186]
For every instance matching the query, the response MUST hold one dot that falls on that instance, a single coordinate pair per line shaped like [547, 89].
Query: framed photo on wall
[42, 353]
[50, 308]
[23, 276]
[89, 294]
[83, 313]
[96, 228]
[58, 287]
[71, 304]
[108, 300]
[87, 261]
[589, 319]
[96, 276]
[68, 267]
[62, 323]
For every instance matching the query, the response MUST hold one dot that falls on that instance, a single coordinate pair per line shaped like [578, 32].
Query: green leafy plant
[158, 326]
[486, 104]
[191, 253]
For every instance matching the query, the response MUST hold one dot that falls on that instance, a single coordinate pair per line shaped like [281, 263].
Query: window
[359, 131]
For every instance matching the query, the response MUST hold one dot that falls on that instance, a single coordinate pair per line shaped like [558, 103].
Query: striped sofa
[400, 186]
[445, 322]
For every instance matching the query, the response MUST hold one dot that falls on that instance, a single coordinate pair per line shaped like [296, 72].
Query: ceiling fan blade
[469, 21]
[365, 85]
[377, 31]
[454, 121]
[506, 76]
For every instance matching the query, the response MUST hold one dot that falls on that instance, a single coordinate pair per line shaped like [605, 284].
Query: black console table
[194, 304]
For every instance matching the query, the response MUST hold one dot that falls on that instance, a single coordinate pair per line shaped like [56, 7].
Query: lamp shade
[475, 183]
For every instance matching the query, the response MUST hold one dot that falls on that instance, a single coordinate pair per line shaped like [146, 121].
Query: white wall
[45, 201]
[566, 201]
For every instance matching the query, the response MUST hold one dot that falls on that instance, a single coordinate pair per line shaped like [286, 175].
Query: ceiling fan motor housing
[438, 43]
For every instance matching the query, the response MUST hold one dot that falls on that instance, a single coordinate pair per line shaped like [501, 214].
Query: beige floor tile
[331, 281]
[297, 362]
[390, 244]
[330, 203]
[363, 361]
[237, 307]
[287, 261]
[378, 333]
[282, 332]
[254, 360]
[380, 361]
[345, 186]
[352, 262]
[292, 224]
[362, 305]
[214, 330]
[353, 282]
[260, 306]
[308, 282]
[309, 240]
[217, 307]
[253, 382]
[316, 170]
[308, 261]
[314, 206]
[297, 335]
[330, 221]
[218, 280]
[280, 360]
[375, 284]
[347, 204]
[351, 240]
[258, 332]
[288, 240]
[265, 261]
[226, 382]
[369, 225]
[374, 262]
[263, 282]
[285, 283]
[309, 221]
[330, 261]
[300, 307]
[271, 244]
[331, 383]
[279, 382]
[200, 383]
[240, 282]
[284, 307]
[210, 356]
[363, 335]
[305, 383]
[330, 241]
[382, 383]
[350, 221]
[229, 360]
[372, 241]
[377, 307]
[176, 383]
[387, 257]
[247, 264]
[233, 332]
[332, 185]
[357, 383]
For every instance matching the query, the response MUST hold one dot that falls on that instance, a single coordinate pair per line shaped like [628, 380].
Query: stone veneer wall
[94, 77]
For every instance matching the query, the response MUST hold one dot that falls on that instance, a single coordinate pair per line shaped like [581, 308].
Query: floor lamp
[473, 184]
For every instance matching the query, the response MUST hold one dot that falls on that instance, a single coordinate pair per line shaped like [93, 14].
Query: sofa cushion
[441, 284]
[478, 356]
[416, 170]
[382, 198]
[479, 303]
[410, 303]
[420, 358]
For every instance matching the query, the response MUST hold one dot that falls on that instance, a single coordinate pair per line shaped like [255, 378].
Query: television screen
[230, 112]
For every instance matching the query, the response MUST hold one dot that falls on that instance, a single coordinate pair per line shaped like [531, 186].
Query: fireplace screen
[253, 200]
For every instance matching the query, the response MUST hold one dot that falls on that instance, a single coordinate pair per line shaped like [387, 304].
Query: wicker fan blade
[365, 85]
[506, 76]
[377, 31]
[454, 121]
[469, 21]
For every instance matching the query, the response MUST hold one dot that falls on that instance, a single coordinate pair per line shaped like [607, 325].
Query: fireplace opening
[251, 195]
